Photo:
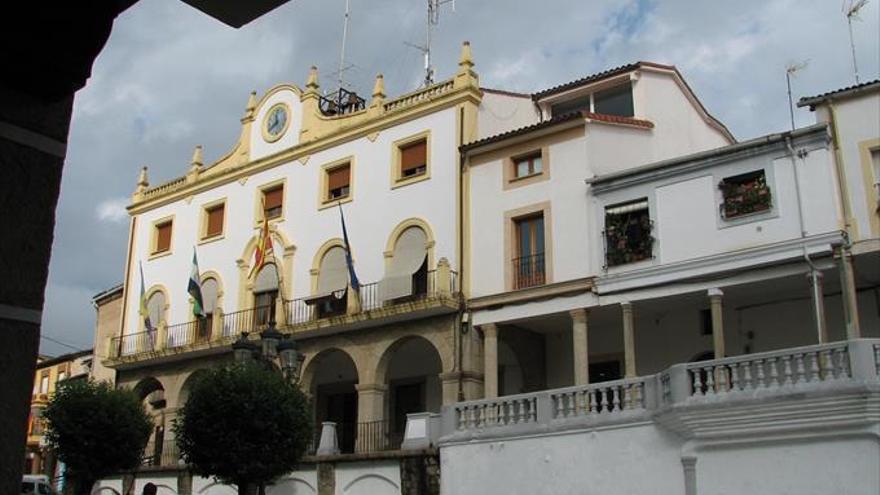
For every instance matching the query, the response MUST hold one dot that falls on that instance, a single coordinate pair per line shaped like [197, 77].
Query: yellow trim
[509, 178]
[258, 201]
[872, 196]
[264, 126]
[399, 229]
[154, 237]
[396, 179]
[510, 244]
[203, 221]
[324, 201]
[319, 258]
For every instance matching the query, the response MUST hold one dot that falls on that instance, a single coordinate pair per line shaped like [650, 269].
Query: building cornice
[568, 287]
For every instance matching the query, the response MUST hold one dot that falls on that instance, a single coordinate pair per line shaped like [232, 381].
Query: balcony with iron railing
[529, 271]
[435, 292]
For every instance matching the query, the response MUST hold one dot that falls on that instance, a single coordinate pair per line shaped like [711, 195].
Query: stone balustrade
[792, 371]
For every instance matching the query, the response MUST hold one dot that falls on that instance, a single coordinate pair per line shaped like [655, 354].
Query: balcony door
[529, 262]
[265, 295]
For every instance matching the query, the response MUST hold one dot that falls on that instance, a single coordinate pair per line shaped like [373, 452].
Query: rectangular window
[414, 159]
[527, 165]
[628, 233]
[272, 202]
[214, 220]
[528, 266]
[614, 101]
[581, 104]
[163, 237]
[744, 194]
[338, 182]
[44, 383]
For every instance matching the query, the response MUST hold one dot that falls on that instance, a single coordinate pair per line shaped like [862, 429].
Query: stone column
[848, 294]
[715, 296]
[629, 344]
[490, 360]
[580, 346]
[449, 383]
[371, 401]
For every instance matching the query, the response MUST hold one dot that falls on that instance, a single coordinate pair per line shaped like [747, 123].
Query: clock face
[276, 121]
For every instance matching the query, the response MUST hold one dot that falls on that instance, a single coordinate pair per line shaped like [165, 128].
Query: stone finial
[197, 160]
[251, 104]
[312, 81]
[143, 183]
[379, 87]
[466, 60]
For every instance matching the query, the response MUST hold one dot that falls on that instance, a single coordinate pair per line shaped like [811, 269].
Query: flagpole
[268, 234]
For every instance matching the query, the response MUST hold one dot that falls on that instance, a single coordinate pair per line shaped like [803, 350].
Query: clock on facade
[276, 121]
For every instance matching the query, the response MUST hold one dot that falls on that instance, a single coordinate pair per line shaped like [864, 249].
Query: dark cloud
[170, 78]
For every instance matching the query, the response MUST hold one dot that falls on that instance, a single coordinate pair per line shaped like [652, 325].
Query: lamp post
[275, 349]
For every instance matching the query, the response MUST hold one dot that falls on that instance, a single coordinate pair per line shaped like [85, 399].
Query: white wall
[370, 218]
[500, 113]
[368, 478]
[279, 94]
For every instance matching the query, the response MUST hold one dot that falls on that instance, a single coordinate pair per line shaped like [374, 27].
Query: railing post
[443, 287]
[544, 406]
[280, 319]
[861, 360]
[679, 383]
[353, 302]
[161, 336]
[653, 392]
[421, 431]
[328, 444]
[217, 323]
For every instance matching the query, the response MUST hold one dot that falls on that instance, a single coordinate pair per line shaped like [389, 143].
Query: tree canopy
[96, 430]
[244, 424]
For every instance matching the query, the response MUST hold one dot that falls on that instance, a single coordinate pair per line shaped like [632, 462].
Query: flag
[195, 289]
[264, 248]
[351, 275]
[144, 312]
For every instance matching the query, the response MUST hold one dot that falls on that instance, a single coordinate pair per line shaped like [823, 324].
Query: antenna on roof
[790, 71]
[341, 100]
[852, 12]
[432, 20]
[342, 66]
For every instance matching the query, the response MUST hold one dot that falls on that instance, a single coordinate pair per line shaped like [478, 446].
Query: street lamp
[275, 348]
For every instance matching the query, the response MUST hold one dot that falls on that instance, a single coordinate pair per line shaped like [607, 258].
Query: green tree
[244, 424]
[96, 430]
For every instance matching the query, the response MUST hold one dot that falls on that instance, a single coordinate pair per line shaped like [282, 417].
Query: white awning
[333, 273]
[641, 204]
[267, 279]
[409, 255]
[210, 288]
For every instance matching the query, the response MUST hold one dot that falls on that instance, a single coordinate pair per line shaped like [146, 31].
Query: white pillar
[629, 345]
[490, 360]
[848, 294]
[580, 346]
[715, 296]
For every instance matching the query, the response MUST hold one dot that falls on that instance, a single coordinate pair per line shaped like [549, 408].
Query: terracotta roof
[597, 76]
[812, 101]
[615, 119]
[566, 117]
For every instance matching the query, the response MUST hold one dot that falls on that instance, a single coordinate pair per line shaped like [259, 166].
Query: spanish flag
[264, 248]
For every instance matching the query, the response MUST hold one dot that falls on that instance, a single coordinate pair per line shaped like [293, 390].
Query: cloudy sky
[170, 78]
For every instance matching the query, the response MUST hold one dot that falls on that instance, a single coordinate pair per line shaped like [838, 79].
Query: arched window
[156, 308]
[407, 274]
[330, 298]
[265, 294]
[210, 289]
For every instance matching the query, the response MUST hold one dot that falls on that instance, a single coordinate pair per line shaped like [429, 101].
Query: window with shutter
[214, 224]
[163, 237]
[272, 200]
[414, 159]
[338, 182]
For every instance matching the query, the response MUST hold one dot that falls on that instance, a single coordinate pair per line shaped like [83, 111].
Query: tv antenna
[790, 71]
[852, 12]
[340, 81]
[432, 20]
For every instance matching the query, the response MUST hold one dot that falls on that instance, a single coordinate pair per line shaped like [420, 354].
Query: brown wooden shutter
[272, 201]
[163, 237]
[414, 155]
[215, 221]
[338, 177]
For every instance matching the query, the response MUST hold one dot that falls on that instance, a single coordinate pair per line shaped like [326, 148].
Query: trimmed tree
[96, 430]
[243, 424]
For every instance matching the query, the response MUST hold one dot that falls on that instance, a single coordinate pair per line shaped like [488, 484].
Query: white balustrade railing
[600, 398]
[503, 411]
[770, 370]
[798, 369]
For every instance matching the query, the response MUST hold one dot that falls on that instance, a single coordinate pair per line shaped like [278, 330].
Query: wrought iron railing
[168, 457]
[247, 320]
[528, 271]
[134, 343]
[341, 102]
